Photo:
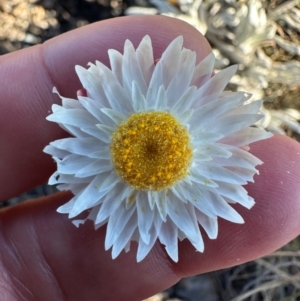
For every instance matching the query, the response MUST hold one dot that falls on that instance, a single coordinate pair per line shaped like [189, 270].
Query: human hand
[42, 255]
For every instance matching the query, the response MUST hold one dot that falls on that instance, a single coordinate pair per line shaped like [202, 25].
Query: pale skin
[42, 255]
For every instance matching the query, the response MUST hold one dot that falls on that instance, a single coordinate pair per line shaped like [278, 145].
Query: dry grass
[275, 277]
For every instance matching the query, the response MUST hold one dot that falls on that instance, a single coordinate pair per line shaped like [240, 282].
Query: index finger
[28, 76]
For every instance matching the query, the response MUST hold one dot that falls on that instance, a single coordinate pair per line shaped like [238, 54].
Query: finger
[61, 260]
[28, 76]
[45, 256]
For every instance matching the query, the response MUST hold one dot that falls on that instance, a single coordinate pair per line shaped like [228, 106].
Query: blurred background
[263, 37]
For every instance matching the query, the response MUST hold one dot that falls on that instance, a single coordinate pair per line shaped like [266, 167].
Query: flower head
[157, 150]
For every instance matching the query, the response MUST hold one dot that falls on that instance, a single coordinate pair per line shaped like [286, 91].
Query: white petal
[235, 193]
[170, 59]
[124, 236]
[55, 152]
[127, 247]
[201, 137]
[161, 100]
[251, 108]
[144, 54]
[224, 210]
[155, 82]
[82, 146]
[181, 188]
[117, 97]
[131, 69]
[94, 108]
[127, 191]
[111, 202]
[115, 116]
[209, 224]
[76, 117]
[57, 178]
[184, 102]
[72, 163]
[246, 174]
[181, 235]
[66, 208]
[106, 132]
[68, 103]
[198, 157]
[243, 154]
[106, 129]
[229, 124]
[185, 116]
[215, 172]
[96, 133]
[199, 199]
[216, 84]
[78, 222]
[143, 248]
[55, 108]
[234, 160]
[116, 223]
[178, 191]
[181, 218]
[93, 213]
[198, 244]
[182, 79]
[246, 136]
[212, 150]
[152, 198]
[92, 68]
[157, 221]
[74, 131]
[115, 58]
[97, 226]
[138, 100]
[103, 153]
[110, 182]
[90, 196]
[208, 112]
[162, 204]
[168, 237]
[164, 70]
[203, 71]
[74, 188]
[145, 216]
[197, 176]
[94, 168]
[91, 84]
[131, 198]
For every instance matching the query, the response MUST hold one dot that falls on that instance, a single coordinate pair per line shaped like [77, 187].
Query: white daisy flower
[157, 150]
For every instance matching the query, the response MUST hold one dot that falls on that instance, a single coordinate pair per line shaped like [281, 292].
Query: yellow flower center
[151, 151]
